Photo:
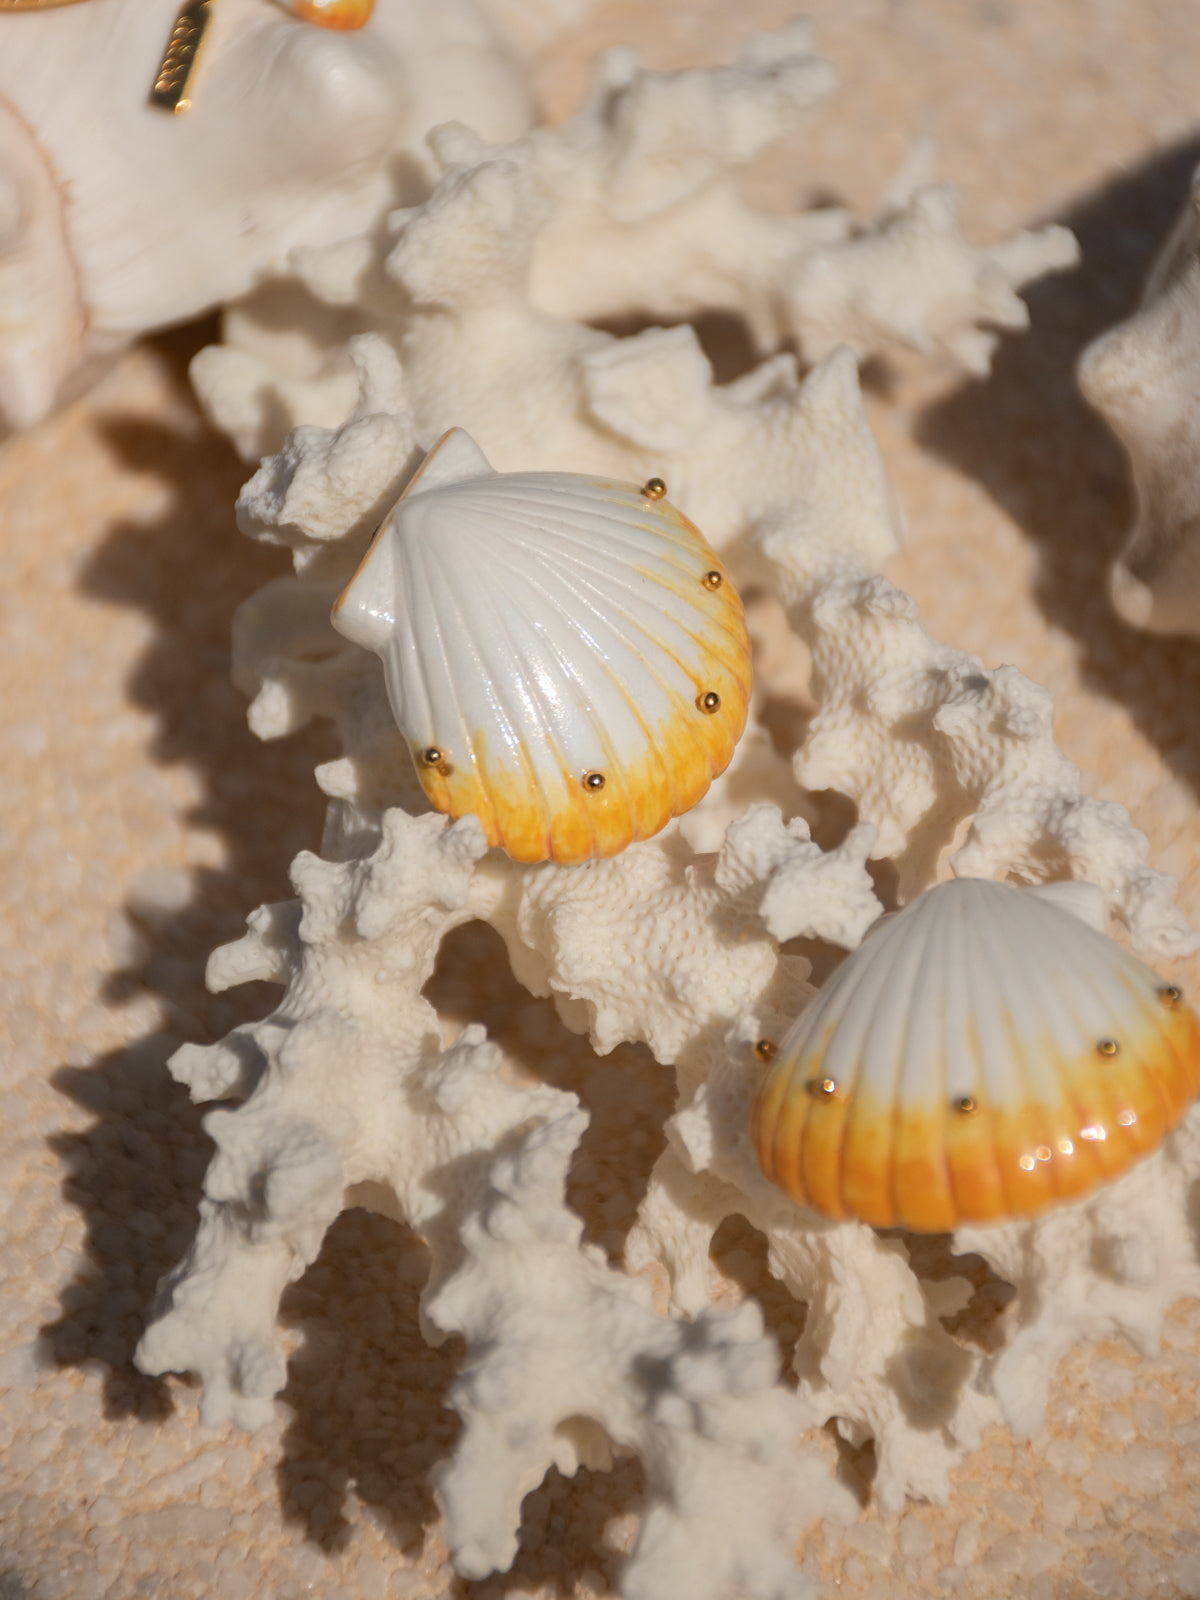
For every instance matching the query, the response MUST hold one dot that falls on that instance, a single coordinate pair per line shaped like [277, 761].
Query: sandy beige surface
[141, 822]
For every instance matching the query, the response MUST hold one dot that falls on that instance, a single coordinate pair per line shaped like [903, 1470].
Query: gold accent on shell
[765, 1049]
[1171, 995]
[342, 15]
[712, 580]
[593, 780]
[1107, 1047]
[178, 65]
[654, 488]
[966, 1105]
[709, 702]
[432, 757]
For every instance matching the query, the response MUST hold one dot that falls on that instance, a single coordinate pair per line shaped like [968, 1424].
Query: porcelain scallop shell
[565, 655]
[984, 1054]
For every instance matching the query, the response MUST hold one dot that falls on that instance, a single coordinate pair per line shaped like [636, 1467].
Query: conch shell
[117, 218]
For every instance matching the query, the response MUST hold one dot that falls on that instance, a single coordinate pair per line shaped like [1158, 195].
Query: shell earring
[565, 655]
[985, 1054]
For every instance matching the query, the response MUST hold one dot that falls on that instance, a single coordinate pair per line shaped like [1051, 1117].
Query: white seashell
[565, 655]
[986, 1053]
[116, 217]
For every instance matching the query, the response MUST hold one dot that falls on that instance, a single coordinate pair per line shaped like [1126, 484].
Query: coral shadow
[722, 336]
[135, 1175]
[565, 1547]
[367, 1394]
[627, 1094]
[1026, 434]
[135, 1171]
[371, 1416]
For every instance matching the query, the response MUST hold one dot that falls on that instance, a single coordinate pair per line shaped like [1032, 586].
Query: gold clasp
[178, 65]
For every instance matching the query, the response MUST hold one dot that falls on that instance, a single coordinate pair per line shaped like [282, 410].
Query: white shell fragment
[565, 655]
[985, 1054]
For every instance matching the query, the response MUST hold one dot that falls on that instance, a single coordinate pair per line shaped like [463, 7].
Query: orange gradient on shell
[929, 1167]
[343, 15]
[570, 823]
[677, 700]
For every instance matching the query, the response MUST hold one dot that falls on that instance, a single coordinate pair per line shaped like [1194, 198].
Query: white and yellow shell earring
[986, 1053]
[566, 657]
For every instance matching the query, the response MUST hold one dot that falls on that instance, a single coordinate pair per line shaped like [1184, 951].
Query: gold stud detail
[712, 580]
[178, 65]
[709, 702]
[1171, 995]
[654, 488]
[432, 757]
[765, 1049]
[593, 781]
[965, 1104]
[1108, 1047]
[822, 1088]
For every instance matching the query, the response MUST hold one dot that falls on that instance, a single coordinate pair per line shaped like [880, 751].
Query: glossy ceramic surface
[984, 1054]
[565, 655]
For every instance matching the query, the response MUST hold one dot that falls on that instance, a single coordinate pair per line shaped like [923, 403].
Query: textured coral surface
[144, 821]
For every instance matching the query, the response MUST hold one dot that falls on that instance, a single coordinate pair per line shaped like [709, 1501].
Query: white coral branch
[873, 1354]
[922, 738]
[631, 208]
[565, 1356]
[579, 1365]
[474, 303]
[910, 279]
[1111, 1264]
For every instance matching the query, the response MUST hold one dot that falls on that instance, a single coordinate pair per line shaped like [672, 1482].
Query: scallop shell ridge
[553, 653]
[985, 1054]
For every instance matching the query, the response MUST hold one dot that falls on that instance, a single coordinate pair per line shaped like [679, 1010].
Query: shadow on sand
[1026, 434]
[367, 1397]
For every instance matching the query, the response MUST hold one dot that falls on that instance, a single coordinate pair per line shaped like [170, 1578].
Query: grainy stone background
[141, 822]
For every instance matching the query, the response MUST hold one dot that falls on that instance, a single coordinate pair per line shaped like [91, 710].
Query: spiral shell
[985, 1054]
[565, 656]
